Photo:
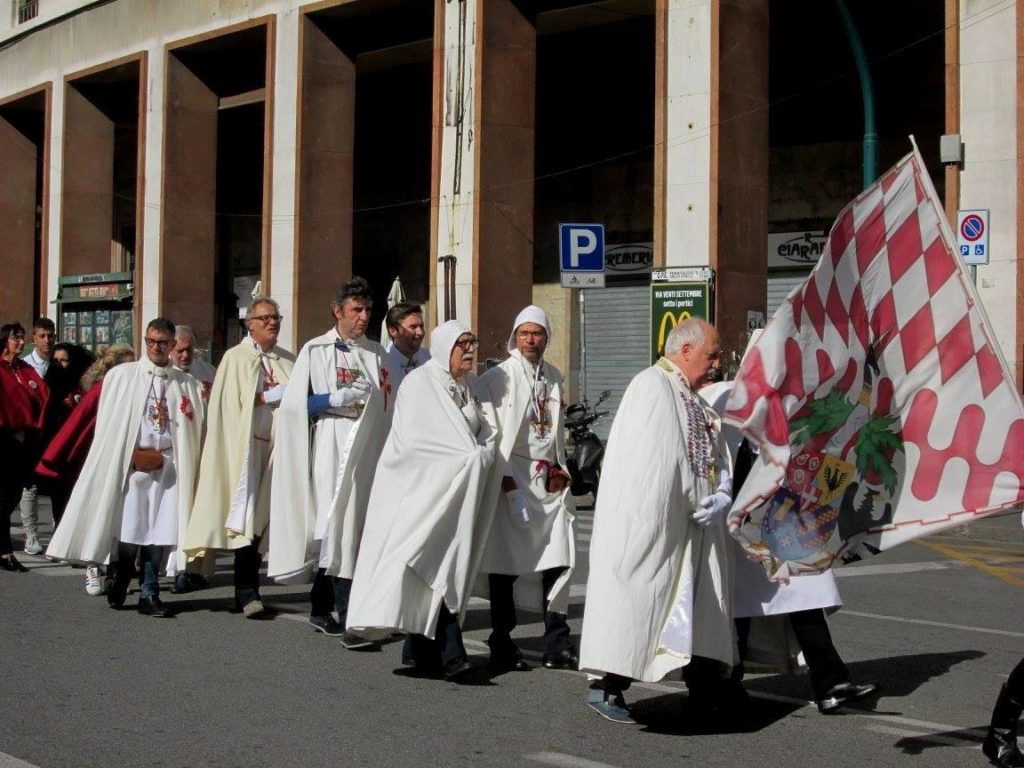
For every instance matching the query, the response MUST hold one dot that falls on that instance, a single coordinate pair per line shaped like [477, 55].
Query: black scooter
[584, 464]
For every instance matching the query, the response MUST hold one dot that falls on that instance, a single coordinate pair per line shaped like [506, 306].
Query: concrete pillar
[990, 49]
[326, 135]
[282, 195]
[711, 157]
[484, 171]
[739, 150]
[189, 200]
[18, 159]
[88, 186]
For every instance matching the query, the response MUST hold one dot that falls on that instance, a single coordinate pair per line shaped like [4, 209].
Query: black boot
[1000, 745]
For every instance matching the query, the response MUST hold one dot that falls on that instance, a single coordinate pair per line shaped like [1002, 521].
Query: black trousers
[1015, 682]
[14, 471]
[503, 614]
[445, 648]
[247, 574]
[824, 665]
[330, 593]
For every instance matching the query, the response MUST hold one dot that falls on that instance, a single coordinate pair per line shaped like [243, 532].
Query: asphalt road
[937, 624]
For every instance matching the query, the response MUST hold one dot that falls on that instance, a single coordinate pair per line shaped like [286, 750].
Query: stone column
[484, 170]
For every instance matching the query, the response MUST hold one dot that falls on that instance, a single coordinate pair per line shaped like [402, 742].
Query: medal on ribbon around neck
[158, 415]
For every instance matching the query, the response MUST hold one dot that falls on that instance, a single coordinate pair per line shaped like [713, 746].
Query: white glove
[712, 507]
[356, 393]
[519, 508]
[273, 395]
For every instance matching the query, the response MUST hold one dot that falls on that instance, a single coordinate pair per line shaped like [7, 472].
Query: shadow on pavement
[678, 715]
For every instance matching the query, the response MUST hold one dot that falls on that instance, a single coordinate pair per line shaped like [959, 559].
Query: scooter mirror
[605, 394]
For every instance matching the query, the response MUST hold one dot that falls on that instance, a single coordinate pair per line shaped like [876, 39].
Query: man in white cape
[533, 532]
[232, 505]
[136, 488]
[430, 508]
[777, 620]
[192, 574]
[323, 471]
[659, 592]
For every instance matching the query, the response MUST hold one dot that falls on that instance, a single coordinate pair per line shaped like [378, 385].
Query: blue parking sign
[581, 247]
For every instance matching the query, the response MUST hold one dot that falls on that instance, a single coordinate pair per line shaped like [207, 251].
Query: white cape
[92, 520]
[293, 554]
[429, 511]
[227, 473]
[660, 585]
[550, 540]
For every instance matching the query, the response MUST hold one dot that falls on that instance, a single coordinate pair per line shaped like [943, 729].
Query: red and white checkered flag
[877, 395]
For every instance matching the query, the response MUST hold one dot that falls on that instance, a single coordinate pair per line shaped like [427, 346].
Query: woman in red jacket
[23, 396]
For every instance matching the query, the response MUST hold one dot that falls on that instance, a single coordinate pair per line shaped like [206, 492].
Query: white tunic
[151, 498]
[401, 366]
[530, 418]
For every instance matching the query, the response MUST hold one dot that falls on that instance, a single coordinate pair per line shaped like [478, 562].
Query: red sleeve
[65, 455]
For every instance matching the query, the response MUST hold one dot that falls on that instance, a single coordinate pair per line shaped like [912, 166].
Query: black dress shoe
[10, 563]
[188, 582]
[843, 693]
[508, 661]
[455, 668]
[151, 606]
[1000, 746]
[564, 659]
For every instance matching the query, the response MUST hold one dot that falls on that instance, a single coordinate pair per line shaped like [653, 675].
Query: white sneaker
[32, 545]
[93, 581]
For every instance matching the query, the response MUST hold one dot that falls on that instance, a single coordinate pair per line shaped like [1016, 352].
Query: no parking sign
[972, 235]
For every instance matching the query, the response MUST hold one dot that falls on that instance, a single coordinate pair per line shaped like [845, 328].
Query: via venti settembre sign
[671, 303]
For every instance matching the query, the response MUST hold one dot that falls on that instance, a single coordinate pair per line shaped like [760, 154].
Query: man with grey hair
[183, 356]
[659, 592]
[195, 575]
[232, 506]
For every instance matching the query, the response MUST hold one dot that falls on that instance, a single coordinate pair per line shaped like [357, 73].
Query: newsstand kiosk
[97, 310]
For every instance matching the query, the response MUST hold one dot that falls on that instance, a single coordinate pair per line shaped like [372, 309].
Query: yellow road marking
[1003, 574]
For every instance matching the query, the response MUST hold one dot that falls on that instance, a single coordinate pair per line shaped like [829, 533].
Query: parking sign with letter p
[581, 247]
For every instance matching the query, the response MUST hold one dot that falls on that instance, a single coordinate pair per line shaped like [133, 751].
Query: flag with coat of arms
[877, 395]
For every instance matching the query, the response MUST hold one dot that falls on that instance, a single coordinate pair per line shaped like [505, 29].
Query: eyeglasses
[158, 342]
[468, 344]
[267, 318]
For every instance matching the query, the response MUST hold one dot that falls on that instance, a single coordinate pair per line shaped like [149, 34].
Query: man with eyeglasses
[323, 472]
[138, 481]
[232, 506]
[532, 537]
[44, 335]
[404, 322]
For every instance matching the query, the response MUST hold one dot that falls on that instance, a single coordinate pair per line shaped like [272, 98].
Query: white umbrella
[395, 295]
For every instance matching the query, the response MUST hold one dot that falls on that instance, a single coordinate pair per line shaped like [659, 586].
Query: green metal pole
[867, 94]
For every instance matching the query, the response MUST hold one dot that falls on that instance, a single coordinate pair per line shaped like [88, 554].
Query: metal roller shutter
[780, 285]
[615, 338]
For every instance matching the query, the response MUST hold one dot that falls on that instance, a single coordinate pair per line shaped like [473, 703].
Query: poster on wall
[671, 303]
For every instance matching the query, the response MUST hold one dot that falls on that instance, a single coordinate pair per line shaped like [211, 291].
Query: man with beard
[532, 536]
